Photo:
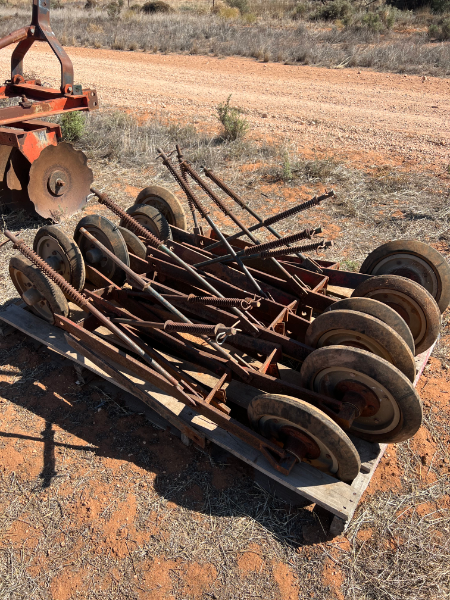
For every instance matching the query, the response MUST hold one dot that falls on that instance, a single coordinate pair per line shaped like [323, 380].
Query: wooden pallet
[339, 498]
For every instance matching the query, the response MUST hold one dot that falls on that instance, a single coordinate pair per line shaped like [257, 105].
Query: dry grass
[268, 38]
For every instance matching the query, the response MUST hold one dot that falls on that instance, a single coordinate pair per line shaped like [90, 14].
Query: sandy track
[370, 118]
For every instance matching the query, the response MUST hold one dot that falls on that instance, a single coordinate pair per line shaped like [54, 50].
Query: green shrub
[114, 8]
[373, 22]
[338, 9]
[299, 11]
[242, 5]
[440, 31]
[157, 6]
[90, 4]
[72, 125]
[235, 126]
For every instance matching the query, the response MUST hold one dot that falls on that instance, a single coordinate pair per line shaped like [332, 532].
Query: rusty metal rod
[284, 215]
[308, 263]
[205, 214]
[285, 251]
[296, 284]
[186, 168]
[153, 241]
[82, 302]
[146, 287]
[244, 303]
[175, 327]
[290, 239]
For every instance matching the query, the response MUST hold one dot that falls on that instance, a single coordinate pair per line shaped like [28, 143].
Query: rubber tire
[166, 202]
[408, 400]
[421, 296]
[350, 320]
[435, 260]
[116, 244]
[70, 250]
[134, 244]
[161, 226]
[311, 419]
[383, 312]
[48, 289]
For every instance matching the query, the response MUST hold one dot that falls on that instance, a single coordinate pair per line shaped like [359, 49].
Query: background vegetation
[405, 36]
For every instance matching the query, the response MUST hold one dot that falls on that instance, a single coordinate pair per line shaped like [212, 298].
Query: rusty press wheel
[42, 295]
[306, 432]
[412, 302]
[380, 311]
[390, 408]
[61, 253]
[351, 328]
[166, 202]
[134, 244]
[109, 235]
[60, 181]
[152, 219]
[413, 260]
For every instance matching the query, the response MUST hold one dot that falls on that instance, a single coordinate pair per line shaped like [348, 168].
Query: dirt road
[365, 117]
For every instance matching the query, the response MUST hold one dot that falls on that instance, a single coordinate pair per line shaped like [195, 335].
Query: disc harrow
[39, 173]
[316, 368]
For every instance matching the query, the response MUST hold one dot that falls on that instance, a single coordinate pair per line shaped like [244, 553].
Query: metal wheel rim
[327, 461]
[147, 222]
[42, 308]
[408, 308]
[47, 247]
[107, 267]
[419, 270]
[389, 414]
[344, 337]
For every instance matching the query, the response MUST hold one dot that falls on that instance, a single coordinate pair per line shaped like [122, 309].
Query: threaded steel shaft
[294, 249]
[290, 239]
[244, 303]
[198, 328]
[132, 224]
[184, 185]
[296, 209]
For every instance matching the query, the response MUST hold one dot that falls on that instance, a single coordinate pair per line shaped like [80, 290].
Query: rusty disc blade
[60, 181]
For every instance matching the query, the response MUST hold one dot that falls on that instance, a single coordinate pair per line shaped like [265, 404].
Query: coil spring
[189, 199]
[193, 328]
[128, 219]
[290, 239]
[69, 291]
[244, 303]
[296, 249]
[296, 209]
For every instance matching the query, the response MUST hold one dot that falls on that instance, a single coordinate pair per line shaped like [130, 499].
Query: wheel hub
[298, 443]
[57, 183]
[295, 441]
[359, 395]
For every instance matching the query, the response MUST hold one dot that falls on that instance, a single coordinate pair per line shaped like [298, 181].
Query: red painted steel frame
[18, 127]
